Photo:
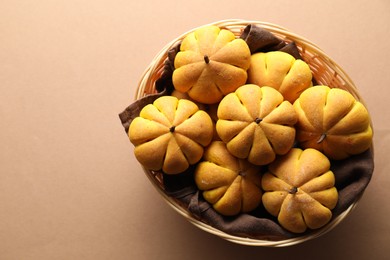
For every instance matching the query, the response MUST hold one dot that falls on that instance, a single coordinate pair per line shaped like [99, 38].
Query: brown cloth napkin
[261, 40]
[352, 174]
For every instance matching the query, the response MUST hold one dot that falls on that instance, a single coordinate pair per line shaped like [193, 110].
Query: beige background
[70, 187]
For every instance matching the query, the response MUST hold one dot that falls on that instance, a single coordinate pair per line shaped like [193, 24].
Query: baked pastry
[256, 123]
[281, 71]
[209, 109]
[181, 95]
[332, 121]
[230, 184]
[299, 190]
[170, 134]
[211, 63]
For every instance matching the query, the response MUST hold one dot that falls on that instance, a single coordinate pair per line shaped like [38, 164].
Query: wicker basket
[325, 71]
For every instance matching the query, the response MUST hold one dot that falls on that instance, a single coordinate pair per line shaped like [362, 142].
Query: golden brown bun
[281, 71]
[170, 134]
[299, 190]
[181, 95]
[209, 109]
[256, 123]
[230, 184]
[210, 64]
[332, 121]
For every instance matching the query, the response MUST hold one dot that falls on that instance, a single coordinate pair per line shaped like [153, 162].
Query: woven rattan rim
[325, 70]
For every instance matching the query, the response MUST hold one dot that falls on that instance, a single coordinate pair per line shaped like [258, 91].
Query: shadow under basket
[324, 70]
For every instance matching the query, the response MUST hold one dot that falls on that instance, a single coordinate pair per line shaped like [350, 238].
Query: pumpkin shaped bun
[281, 71]
[256, 123]
[170, 134]
[332, 121]
[230, 184]
[211, 63]
[299, 190]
